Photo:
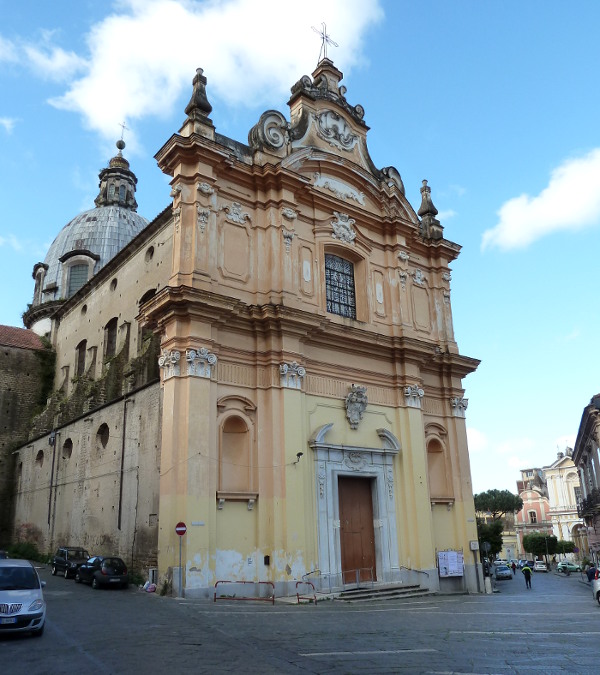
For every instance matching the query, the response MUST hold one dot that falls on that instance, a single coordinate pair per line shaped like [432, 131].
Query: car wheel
[39, 632]
[66, 573]
[53, 570]
[95, 584]
[77, 578]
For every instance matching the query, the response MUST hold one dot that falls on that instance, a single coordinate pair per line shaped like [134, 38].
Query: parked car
[500, 561]
[22, 606]
[3, 555]
[530, 564]
[103, 571]
[596, 587]
[568, 566]
[521, 563]
[503, 572]
[540, 566]
[67, 560]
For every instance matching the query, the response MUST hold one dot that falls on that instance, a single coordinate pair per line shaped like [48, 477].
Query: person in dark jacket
[527, 574]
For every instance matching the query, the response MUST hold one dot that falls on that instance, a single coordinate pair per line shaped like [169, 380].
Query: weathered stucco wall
[97, 487]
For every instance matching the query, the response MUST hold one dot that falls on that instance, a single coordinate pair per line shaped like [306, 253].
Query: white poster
[450, 563]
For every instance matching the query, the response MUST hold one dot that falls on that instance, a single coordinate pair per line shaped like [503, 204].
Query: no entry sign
[181, 529]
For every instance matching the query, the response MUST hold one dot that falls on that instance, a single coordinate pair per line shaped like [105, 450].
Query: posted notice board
[450, 563]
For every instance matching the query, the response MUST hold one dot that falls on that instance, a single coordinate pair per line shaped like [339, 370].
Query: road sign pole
[180, 579]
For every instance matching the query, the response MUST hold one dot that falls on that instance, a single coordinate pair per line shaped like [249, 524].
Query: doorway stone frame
[332, 461]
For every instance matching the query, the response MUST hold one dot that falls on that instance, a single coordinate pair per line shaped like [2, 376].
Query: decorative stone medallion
[342, 228]
[356, 404]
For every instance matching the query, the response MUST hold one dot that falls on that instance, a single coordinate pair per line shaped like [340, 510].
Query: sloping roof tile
[19, 337]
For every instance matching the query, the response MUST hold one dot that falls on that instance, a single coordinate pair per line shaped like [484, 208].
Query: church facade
[271, 361]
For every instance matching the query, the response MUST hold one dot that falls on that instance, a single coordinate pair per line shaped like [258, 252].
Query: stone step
[383, 593]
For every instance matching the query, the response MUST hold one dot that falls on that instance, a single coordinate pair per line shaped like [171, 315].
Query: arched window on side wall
[80, 352]
[110, 338]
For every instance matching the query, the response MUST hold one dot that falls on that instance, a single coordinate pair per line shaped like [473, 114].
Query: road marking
[370, 653]
[525, 632]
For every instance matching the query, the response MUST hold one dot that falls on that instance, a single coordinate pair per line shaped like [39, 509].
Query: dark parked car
[68, 559]
[103, 571]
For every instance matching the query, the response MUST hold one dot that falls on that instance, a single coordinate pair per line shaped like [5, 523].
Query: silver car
[22, 605]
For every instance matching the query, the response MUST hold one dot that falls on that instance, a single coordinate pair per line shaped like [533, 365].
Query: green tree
[492, 533]
[497, 502]
[540, 544]
[565, 547]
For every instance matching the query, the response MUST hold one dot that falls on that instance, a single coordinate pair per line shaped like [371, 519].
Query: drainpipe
[125, 402]
[52, 442]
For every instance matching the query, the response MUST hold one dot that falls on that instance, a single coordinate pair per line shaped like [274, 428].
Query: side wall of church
[97, 486]
[19, 389]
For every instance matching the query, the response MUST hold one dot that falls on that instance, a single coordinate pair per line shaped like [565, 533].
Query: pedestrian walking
[514, 568]
[527, 574]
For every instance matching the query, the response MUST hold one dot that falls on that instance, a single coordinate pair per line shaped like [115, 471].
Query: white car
[22, 605]
[540, 566]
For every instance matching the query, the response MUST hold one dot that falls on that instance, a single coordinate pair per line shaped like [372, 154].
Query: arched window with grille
[339, 286]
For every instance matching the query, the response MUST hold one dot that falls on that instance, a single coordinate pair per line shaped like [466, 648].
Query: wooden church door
[357, 535]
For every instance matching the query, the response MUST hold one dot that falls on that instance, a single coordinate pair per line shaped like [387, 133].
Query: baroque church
[270, 361]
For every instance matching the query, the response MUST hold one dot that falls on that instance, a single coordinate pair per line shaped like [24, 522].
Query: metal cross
[123, 127]
[325, 40]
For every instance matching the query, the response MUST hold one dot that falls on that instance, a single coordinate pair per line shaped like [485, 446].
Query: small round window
[39, 458]
[84, 310]
[149, 253]
[113, 285]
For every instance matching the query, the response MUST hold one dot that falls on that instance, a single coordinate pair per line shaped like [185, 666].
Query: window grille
[77, 278]
[339, 285]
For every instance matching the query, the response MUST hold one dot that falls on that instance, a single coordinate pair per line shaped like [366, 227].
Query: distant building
[564, 493]
[586, 456]
[535, 515]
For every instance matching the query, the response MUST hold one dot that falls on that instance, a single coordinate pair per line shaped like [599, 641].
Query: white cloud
[442, 216]
[8, 51]
[570, 202]
[8, 123]
[477, 440]
[11, 241]
[145, 55]
[53, 63]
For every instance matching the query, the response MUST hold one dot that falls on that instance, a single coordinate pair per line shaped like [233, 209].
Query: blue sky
[496, 104]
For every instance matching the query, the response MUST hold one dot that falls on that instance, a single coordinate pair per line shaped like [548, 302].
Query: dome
[101, 232]
[88, 242]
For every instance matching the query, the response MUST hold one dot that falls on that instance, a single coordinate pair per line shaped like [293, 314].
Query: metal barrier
[270, 599]
[306, 597]
[358, 573]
